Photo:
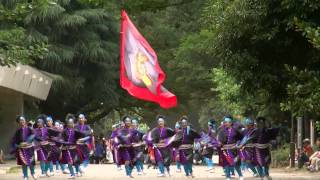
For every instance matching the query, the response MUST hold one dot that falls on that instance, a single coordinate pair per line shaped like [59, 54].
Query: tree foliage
[14, 44]
[303, 92]
[246, 57]
[254, 40]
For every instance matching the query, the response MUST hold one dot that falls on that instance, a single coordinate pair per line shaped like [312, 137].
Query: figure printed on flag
[141, 69]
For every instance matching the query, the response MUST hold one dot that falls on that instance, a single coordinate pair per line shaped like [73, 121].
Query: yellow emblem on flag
[141, 69]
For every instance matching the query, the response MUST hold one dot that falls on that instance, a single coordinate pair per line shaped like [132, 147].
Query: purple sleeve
[148, 138]
[14, 142]
[113, 134]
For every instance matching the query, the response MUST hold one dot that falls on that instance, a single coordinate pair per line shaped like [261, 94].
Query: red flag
[140, 73]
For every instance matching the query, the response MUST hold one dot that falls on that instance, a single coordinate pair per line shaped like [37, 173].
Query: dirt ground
[109, 171]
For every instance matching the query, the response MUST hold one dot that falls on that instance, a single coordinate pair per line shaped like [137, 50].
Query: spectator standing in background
[99, 151]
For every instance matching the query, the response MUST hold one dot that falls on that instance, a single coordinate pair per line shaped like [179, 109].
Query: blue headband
[21, 118]
[134, 121]
[39, 120]
[161, 119]
[227, 119]
[49, 118]
[81, 116]
[248, 121]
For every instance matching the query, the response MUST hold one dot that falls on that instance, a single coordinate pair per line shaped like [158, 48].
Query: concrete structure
[18, 85]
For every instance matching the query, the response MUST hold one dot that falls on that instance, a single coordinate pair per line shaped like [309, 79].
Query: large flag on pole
[140, 73]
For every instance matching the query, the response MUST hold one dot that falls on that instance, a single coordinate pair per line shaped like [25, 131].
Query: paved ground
[102, 172]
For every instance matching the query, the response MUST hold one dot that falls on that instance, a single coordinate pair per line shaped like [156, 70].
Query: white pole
[299, 131]
[312, 132]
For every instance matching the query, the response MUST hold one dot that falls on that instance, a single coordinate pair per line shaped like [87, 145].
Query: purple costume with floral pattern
[247, 152]
[55, 151]
[83, 147]
[209, 143]
[24, 153]
[228, 137]
[187, 139]
[263, 136]
[158, 139]
[42, 143]
[138, 146]
[115, 151]
[123, 140]
[70, 152]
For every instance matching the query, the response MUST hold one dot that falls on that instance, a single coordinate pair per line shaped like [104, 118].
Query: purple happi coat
[158, 139]
[138, 146]
[22, 147]
[42, 144]
[84, 147]
[55, 147]
[115, 151]
[123, 140]
[185, 139]
[70, 152]
[228, 137]
[263, 136]
[247, 152]
[209, 144]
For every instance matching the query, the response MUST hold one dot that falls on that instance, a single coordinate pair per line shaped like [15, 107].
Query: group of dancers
[236, 144]
[67, 146]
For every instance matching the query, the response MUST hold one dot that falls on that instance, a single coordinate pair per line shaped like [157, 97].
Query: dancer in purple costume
[22, 147]
[139, 146]
[123, 140]
[184, 140]
[54, 135]
[247, 147]
[229, 136]
[115, 152]
[175, 151]
[158, 138]
[209, 143]
[262, 139]
[71, 155]
[42, 145]
[84, 146]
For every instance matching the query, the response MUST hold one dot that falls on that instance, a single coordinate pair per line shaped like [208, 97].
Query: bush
[280, 156]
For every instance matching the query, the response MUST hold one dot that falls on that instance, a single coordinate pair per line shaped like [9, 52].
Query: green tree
[303, 92]
[254, 40]
[83, 52]
[14, 44]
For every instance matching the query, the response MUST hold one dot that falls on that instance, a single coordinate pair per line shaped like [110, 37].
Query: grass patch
[280, 156]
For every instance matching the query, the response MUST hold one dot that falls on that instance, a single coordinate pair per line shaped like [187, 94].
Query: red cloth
[140, 72]
[151, 154]
[308, 150]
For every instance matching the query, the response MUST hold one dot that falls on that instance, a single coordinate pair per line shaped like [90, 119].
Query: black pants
[97, 159]
[302, 159]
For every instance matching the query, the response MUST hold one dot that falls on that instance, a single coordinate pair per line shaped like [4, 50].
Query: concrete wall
[26, 80]
[11, 105]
